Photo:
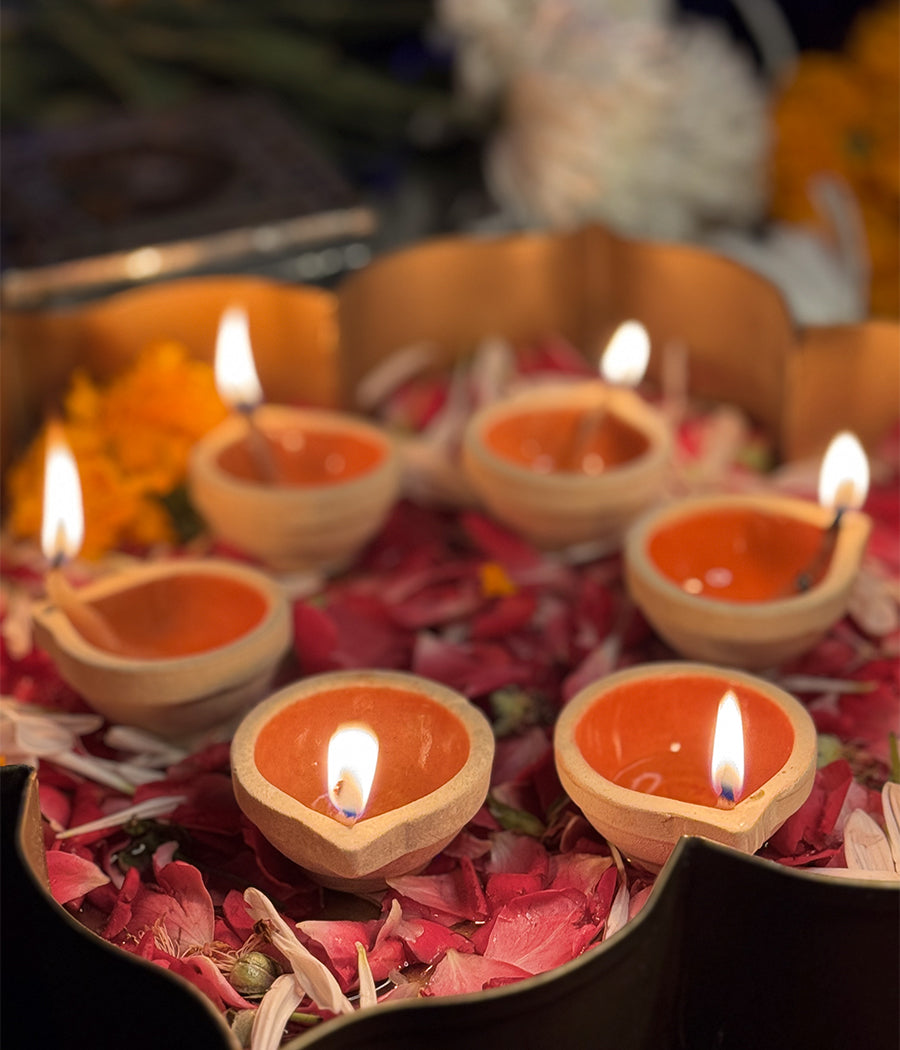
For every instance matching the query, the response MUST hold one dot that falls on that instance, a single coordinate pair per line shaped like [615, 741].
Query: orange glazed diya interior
[305, 456]
[421, 745]
[435, 751]
[740, 554]
[656, 735]
[177, 615]
[566, 439]
[640, 753]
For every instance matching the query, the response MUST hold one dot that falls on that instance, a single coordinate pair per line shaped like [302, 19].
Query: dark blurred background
[306, 105]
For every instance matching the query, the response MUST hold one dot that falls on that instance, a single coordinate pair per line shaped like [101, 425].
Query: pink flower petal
[457, 895]
[180, 902]
[539, 931]
[471, 669]
[515, 755]
[458, 973]
[203, 973]
[578, 871]
[809, 831]
[498, 543]
[71, 876]
[334, 942]
[512, 853]
[503, 617]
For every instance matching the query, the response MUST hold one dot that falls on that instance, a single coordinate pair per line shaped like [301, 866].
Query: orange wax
[737, 554]
[656, 736]
[306, 456]
[422, 745]
[565, 439]
[178, 615]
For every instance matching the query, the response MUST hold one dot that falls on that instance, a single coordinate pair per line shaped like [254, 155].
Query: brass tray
[730, 951]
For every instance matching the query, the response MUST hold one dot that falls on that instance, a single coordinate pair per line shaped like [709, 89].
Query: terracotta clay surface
[680, 710]
[752, 634]
[560, 508]
[308, 522]
[387, 841]
[180, 688]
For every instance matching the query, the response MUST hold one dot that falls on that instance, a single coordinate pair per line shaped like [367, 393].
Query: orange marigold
[131, 441]
[840, 113]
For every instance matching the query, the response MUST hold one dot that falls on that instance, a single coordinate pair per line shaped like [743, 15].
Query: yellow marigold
[494, 580]
[840, 113]
[131, 441]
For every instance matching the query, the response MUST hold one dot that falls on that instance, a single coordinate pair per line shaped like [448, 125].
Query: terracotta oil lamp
[572, 463]
[752, 580]
[178, 647]
[296, 488]
[663, 750]
[362, 775]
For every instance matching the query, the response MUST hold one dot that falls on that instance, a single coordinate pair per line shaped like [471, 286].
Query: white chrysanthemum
[657, 131]
[495, 38]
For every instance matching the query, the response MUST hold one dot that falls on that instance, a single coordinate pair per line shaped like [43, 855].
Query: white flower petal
[890, 801]
[618, 913]
[275, 1008]
[367, 994]
[865, 845]
[151, 807]
[312, 976]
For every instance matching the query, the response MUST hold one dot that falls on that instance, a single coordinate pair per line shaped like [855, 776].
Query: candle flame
[625, 358]
[844, 476]
[236, 378]
[62, 522]
[727, 765]
[352, 758]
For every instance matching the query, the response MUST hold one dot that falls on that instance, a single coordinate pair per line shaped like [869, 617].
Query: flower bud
[253, 973]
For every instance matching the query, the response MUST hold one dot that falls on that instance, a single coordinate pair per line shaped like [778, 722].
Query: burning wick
[624, 363]
[62, 533]
[843, 484]
[727, 765]
[352, 758]
[238, 385]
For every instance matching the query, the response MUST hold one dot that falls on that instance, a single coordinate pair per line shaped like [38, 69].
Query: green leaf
[512, 819]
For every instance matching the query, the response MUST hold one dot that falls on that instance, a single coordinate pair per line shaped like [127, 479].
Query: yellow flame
[727, 765]
[352, 758]
[62, 521]
[844, 476]
[625, 358]
[236, 378]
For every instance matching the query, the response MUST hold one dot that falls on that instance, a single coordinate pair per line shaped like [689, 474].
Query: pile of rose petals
[147, 846]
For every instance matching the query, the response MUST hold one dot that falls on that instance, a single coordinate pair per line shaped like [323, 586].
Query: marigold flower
[131, 441]
[856, 135]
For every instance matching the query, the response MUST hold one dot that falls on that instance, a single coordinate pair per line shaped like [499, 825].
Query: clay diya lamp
[572, 463]
[296, 488]
[352, 812]
[752, 580]
[179, 647]
[663, 750]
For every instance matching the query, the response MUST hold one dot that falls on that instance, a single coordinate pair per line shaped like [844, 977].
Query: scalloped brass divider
[312, 346]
